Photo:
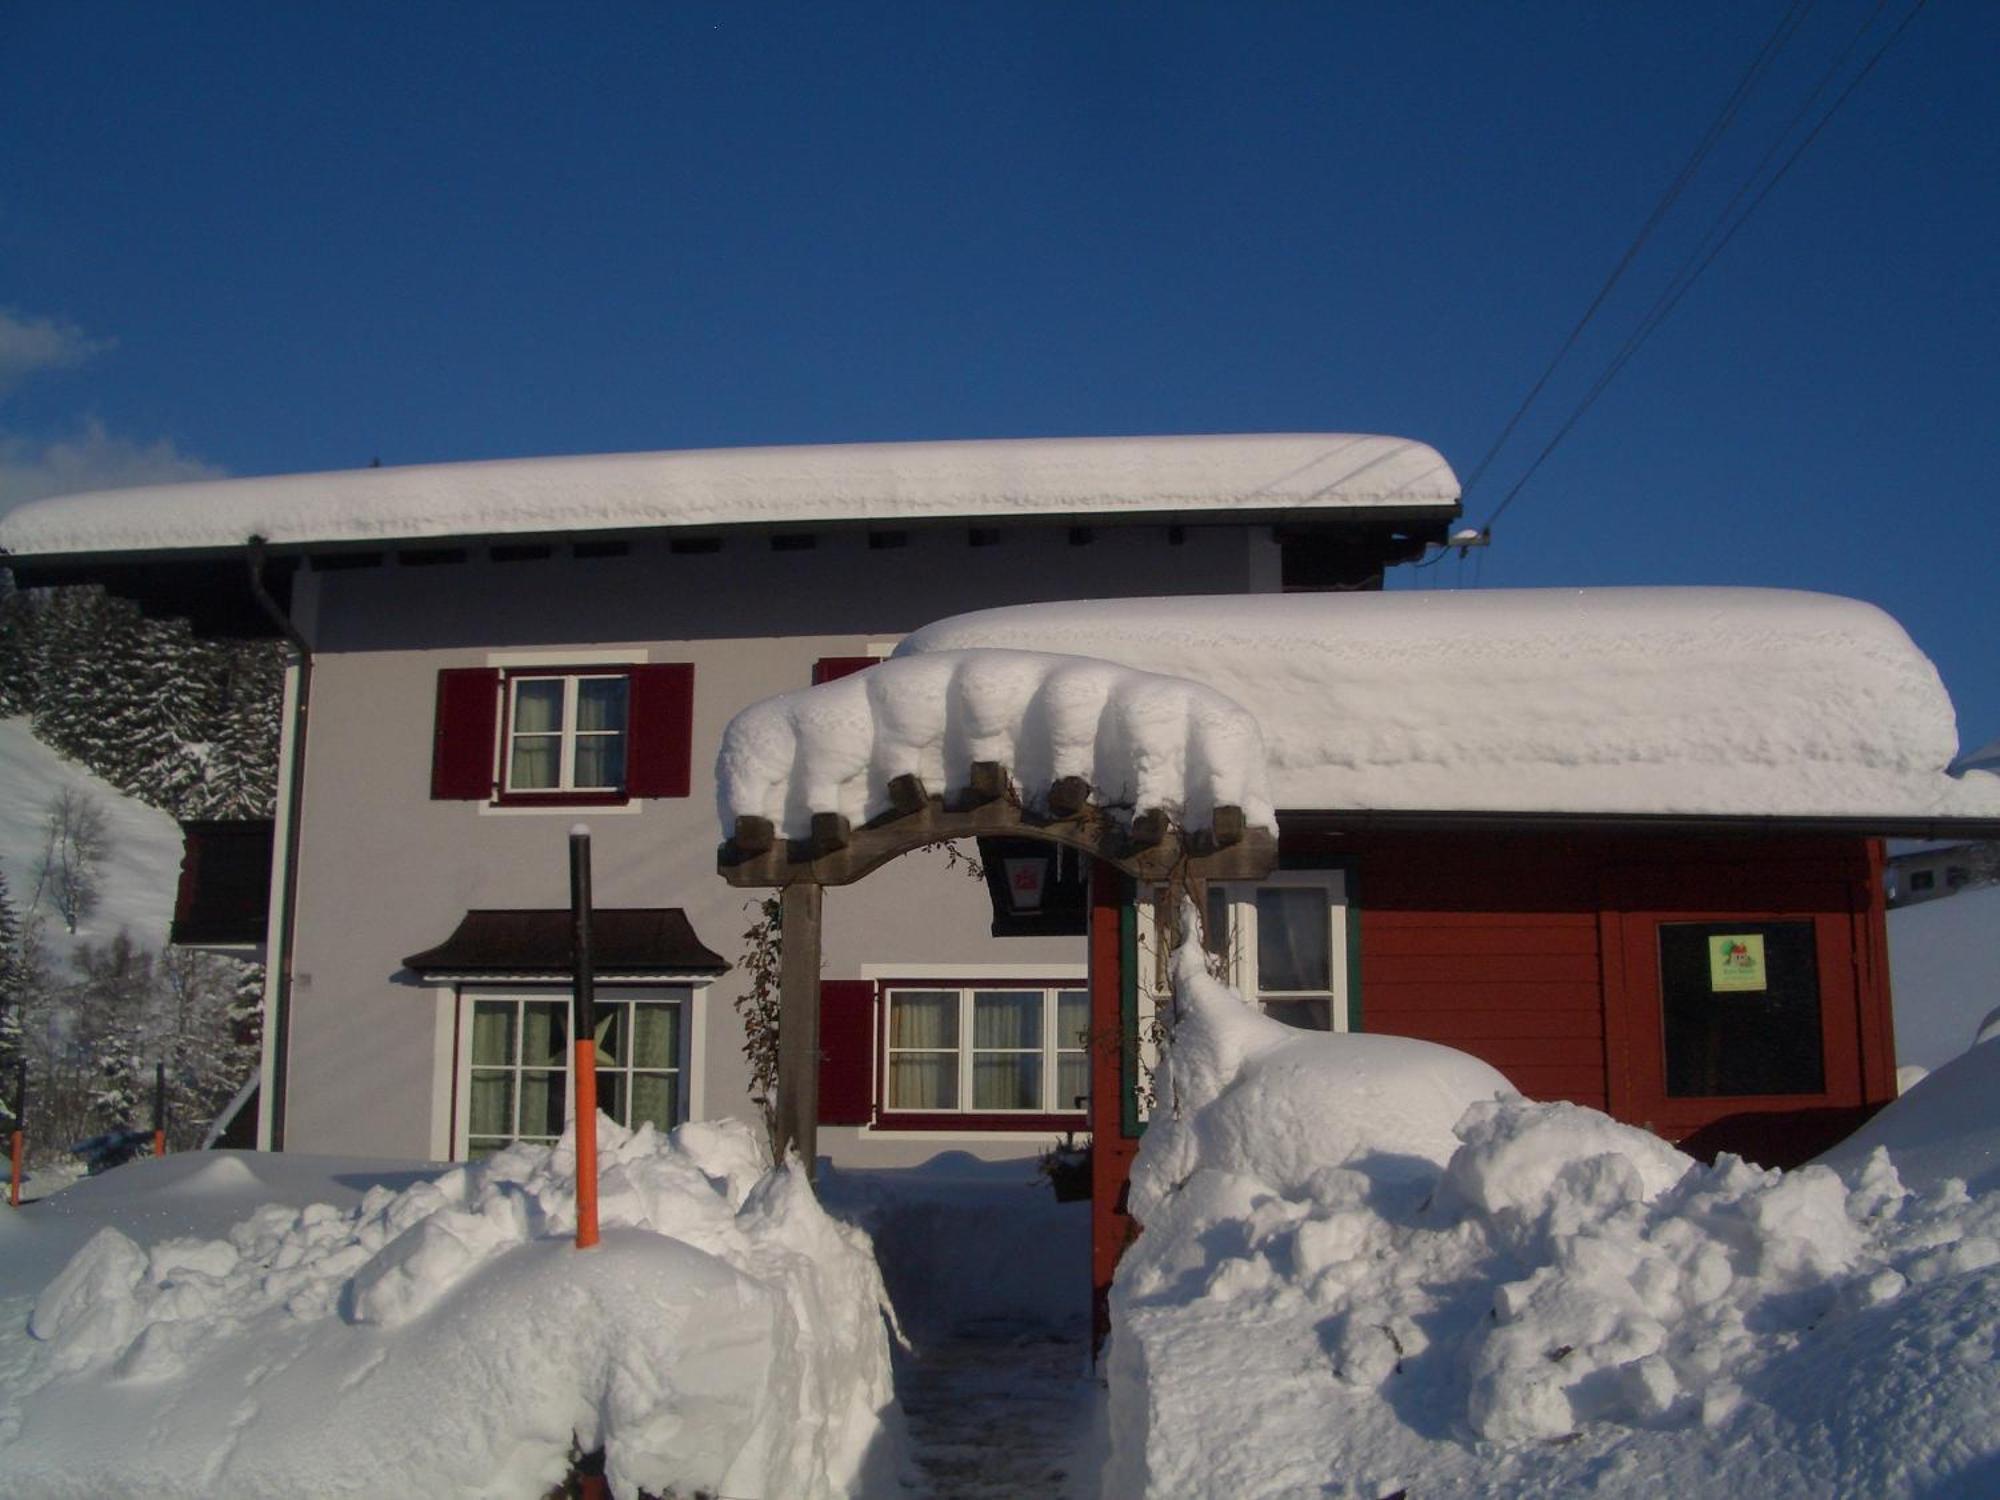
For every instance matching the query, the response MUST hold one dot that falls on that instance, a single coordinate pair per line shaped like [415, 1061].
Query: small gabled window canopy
[651, 942]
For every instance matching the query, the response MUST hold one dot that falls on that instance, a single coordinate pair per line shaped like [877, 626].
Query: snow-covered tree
[75, 844]
[14, 979]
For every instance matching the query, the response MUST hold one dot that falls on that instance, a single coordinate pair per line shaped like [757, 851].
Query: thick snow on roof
[1679, 701]
[1142, 740]
[1269, 472]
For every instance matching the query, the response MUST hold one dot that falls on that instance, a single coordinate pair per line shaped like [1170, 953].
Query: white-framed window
[986, 1049]
[1282, 941]
[514, 1063]
[566, 732]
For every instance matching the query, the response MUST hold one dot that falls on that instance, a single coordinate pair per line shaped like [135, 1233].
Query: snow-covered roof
[1670, 701]
[1269, 473]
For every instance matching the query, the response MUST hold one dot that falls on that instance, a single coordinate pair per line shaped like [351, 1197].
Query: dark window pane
[653, 1098]
[1293, 950]
[1315, 1014]
[542, 1110]
[1741, 1009]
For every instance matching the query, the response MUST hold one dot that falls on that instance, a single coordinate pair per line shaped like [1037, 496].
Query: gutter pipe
[281, 995]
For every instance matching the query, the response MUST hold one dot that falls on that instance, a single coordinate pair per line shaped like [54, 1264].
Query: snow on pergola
[1065, 731]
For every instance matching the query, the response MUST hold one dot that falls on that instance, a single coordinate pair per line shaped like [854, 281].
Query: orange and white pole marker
[159, 1109]
[584, 1012]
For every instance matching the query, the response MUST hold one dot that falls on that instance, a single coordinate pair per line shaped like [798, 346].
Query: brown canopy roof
[643, 940]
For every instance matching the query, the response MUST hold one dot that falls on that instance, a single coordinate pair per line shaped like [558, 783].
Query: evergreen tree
[13, 1003]
[115, 999]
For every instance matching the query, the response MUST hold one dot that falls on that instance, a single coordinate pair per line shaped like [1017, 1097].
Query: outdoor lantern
[1027, 877]
[1038, 888]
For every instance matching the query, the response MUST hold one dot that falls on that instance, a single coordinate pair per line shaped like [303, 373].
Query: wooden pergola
[1149, 846]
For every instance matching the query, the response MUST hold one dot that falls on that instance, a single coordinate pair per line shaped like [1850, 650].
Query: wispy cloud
[30, 346]
[91, 459]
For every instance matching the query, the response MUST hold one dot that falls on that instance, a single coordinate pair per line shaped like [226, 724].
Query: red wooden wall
[1528, 949]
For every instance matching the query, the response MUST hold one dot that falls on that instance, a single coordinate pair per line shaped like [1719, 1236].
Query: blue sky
[258, 238]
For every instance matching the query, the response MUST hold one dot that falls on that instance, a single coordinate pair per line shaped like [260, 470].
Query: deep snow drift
[1535, 1301]
[446, 1339]
[1637, 700]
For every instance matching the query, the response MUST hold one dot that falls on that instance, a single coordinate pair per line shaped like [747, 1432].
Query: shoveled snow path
[1000, 1411]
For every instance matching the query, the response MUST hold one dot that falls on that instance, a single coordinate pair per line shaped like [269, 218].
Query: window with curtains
[982, 1049]
[566, 733]
[1282, 943]
[516, 1074]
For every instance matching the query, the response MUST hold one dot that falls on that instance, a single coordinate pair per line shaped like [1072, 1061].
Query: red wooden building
[1623, 845]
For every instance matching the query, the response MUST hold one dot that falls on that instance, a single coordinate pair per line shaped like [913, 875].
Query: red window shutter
[661, 753]
[827, 668]
[462, 748]
[846, 1051]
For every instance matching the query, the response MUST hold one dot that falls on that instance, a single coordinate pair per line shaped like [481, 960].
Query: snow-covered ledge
[1052, 738]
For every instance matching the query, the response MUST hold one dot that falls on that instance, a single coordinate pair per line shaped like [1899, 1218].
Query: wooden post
[1112, 1149]
[798, 1023]
[20, 1125]
[159, 1109]
[583, 1012]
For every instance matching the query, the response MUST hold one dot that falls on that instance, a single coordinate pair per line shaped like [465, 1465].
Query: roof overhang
[1887, 825]
[654, 943]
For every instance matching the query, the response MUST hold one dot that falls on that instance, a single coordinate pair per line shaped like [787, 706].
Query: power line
[1685, 281]
[1788, 24]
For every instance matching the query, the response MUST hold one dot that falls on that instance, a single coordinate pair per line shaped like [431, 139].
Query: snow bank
[1648, 700]
[1142, 740]
[1545, 1303]
[446, 1339]
[1264, 472]
[1946, 1126]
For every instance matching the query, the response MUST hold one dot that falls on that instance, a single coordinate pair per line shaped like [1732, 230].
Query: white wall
[385, 871]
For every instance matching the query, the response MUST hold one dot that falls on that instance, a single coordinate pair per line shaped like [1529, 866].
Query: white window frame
[683, 995]
[1050, 1051]
[569, 736]
[1240, 962]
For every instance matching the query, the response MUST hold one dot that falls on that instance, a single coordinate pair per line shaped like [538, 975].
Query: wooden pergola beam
[1148, 847]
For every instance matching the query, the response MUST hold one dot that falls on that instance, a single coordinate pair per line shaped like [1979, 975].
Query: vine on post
[763, 949]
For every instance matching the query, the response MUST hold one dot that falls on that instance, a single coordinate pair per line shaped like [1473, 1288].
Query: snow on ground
[142, 867]
[1260, 472]
[1944, 971]
[1639, 700]
[442, 1337]
[1536, 1300]
[1141, 740]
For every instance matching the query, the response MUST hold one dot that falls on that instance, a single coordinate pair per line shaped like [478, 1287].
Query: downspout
[281, 994]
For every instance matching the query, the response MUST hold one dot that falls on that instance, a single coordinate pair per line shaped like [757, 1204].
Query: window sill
[561, 799]
[1022, 1120]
